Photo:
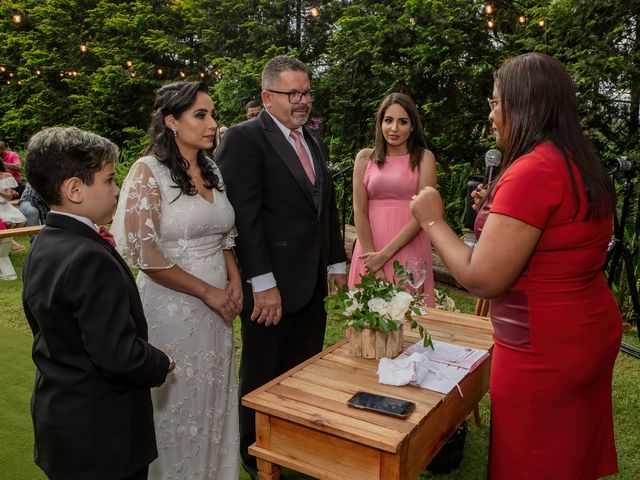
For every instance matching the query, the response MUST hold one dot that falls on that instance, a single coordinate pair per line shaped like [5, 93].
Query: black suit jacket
[285, 224]
[91, 403]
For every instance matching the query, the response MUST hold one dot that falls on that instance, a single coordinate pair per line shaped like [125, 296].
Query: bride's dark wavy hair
[174, 99]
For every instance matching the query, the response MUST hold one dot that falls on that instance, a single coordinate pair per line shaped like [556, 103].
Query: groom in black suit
[91, 405]
[288, 232]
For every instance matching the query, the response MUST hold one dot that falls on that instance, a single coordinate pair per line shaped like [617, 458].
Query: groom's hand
[336, 280]
[267, 306]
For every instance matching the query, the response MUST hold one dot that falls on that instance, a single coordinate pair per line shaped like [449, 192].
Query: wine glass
[416, 269]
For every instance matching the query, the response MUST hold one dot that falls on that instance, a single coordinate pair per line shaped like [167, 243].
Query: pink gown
[390, 189]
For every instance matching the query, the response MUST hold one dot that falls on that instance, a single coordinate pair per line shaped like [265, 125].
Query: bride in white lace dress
[175, 224]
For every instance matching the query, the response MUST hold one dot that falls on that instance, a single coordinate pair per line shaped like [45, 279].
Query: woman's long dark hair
[416, 143]
[539, 105]
[174, 99]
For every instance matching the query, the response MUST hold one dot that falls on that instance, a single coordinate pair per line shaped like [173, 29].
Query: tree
[440, 52]
[599, 43]
[434, 51]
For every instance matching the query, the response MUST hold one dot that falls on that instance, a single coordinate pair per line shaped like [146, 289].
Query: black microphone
[492, 161]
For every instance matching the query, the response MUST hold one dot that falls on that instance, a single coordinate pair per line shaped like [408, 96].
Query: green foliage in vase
[377, 304]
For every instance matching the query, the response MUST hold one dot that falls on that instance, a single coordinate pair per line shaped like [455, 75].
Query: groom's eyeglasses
[295, 96]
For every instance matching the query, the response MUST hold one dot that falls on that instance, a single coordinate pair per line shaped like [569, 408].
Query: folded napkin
[419, 370]
[403, 369]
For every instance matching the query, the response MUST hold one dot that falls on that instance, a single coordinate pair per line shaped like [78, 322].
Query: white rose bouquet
[377, 304]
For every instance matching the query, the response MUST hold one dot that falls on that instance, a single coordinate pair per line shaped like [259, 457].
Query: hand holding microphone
[492, 161]
[478, 195]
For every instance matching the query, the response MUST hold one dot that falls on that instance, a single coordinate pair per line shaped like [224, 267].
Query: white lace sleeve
[137, 220]
[228, 242]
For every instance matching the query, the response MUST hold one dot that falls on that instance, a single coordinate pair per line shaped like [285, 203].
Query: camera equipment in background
[625, 166]
[469, 212]
[450, 455]
[619, 251]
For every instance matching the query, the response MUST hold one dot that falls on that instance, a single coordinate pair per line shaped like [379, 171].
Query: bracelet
[432, 223]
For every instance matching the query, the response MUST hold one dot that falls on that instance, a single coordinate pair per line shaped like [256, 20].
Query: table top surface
[315, 393]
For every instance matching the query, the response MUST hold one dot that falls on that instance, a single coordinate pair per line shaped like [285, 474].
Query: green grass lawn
[17, 373]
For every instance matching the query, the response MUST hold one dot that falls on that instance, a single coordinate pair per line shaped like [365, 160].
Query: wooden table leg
[268, 470]
[391, 464]
[476, 415]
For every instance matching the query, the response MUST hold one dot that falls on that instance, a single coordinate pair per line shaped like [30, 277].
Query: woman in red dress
[544, 230]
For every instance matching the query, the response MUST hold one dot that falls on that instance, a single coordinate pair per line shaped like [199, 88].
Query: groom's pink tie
[304, 156]
[106, 235]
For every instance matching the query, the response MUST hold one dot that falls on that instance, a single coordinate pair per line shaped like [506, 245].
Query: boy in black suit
[91, 404]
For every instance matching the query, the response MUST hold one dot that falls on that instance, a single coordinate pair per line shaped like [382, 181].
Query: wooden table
[7, 272]
[303, 421]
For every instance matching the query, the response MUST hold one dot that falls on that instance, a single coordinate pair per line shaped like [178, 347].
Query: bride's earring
[175, 132]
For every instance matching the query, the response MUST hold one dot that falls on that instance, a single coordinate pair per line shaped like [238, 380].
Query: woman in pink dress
[384, 180]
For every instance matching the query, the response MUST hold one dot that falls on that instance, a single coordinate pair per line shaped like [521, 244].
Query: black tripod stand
[619, 250]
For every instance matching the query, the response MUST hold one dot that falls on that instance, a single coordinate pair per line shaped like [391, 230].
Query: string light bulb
[542, 23]
[522, 19]
[182, 74]
[16, 18]
[83, 47]
[412, 21]
[2, 68]
[201, 74]
[132, 74]
[315, 12]
[491, 23]
[129, 63]
[61, 74]
[488, 9]
[159, 71]
[38, 71]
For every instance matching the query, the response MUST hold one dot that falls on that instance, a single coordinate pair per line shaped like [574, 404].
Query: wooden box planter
[369, 343]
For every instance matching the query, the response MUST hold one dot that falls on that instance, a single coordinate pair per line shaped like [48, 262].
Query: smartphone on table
[381, 404]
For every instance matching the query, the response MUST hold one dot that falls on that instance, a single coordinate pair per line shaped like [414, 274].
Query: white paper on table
[443, 378]
[439, 369]
[449, 354]
[418, 370]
